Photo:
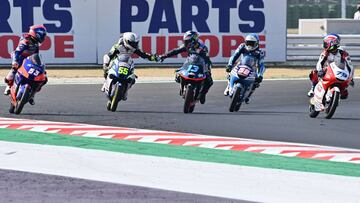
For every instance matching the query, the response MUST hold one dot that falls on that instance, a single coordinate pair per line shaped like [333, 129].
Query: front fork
[322, 96]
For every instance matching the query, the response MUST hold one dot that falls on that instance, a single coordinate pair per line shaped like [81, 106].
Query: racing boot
[9, 80]
[227, 90]
[32, 101]
[202, 98]
[103, 87]
[124, 98]
[344, 94]
[247, 100]
[311, 92]
[7, 90]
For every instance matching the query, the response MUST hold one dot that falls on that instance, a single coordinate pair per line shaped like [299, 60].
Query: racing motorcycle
[27, 81]
[118, 81]
[242, 78]
[192, 77]
[327, 91]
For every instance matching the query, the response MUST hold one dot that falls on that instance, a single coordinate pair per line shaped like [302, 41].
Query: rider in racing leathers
[249, 48]
[332, 52]
[193, 45]
[127, 45]
[28, 45]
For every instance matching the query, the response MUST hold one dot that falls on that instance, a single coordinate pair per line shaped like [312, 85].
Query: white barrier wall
[82, 31]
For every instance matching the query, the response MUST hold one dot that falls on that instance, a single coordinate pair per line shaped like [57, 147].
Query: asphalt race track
[278, 112]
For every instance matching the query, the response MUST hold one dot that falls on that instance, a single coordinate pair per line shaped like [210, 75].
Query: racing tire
[119, 92]
[237, 107]
[312, 112]
[234, 106]
[189, 99]
[191, 109]
[24, 98]
[334, 102]
[12, 108]
[108, 105]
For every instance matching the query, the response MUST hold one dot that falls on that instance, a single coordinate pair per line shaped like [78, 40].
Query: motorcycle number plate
[341, 75]
[34, 72]
[123, 71]
[243, 71]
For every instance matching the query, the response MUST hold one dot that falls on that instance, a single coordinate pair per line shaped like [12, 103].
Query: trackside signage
[221, 23]
[72, 30]
[82, 31]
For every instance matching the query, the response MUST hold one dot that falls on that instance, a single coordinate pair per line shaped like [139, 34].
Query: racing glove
[15, 66]
[162, 58]
[321, 73]
[228, 68]
[352, 83]
[153, 57]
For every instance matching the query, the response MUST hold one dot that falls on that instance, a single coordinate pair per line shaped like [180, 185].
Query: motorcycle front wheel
[12, 108]
[234, 105]
[21, 103]
[118, 94]
[189, 99]
[334, 102]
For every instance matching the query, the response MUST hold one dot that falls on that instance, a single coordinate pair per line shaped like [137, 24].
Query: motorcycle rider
[28, 45]
[332, 52]
[127, 45]
[193, 45]
[249, 48]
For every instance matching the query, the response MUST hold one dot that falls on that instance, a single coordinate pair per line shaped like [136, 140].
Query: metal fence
[304, 50]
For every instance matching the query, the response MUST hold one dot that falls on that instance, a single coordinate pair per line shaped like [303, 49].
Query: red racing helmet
[38, 32]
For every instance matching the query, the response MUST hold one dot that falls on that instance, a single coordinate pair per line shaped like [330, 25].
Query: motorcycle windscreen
[339, 70]
[248, 61]
[193, 67]
[194, 59]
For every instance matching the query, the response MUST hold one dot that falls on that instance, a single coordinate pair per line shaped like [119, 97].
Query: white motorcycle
[327, 92]
[119, 80]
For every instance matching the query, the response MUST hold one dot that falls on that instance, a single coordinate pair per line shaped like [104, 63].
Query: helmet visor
[134, 44]
[333, 48]
[250, 43]
[188, 42]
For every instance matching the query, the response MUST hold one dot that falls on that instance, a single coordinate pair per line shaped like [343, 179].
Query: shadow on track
[63, 114]
[216, 113]
[346, 119]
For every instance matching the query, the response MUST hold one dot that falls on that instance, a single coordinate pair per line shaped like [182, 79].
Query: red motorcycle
[328, 90]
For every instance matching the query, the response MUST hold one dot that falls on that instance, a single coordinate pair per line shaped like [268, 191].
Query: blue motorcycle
[28, 80]
[242, 78]
[118, 81]
[192, 77]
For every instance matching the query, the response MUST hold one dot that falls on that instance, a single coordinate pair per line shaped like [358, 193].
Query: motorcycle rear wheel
[24, 99]
[334, 102]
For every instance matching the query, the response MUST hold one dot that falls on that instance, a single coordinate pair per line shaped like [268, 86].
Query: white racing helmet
[251, 42]
[131, 40]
